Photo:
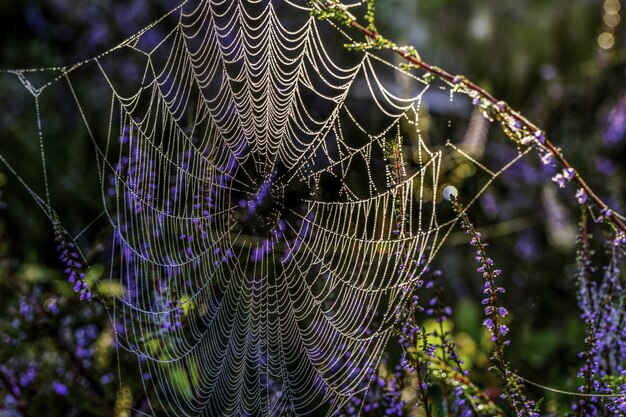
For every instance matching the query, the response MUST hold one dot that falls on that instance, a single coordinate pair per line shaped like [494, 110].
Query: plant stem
[526, 124]
[445, 371]
[512, 387]
[423, 391]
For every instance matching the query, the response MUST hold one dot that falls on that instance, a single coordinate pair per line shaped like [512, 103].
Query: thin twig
[501, 106]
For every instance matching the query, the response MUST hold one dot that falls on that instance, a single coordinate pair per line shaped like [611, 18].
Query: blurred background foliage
[560, 62]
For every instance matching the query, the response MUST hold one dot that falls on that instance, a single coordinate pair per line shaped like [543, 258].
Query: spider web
[260, 230]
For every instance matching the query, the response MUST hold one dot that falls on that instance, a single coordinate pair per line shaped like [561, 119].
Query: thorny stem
[502, 108]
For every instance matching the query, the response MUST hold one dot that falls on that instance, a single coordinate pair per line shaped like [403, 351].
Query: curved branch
[333, 9]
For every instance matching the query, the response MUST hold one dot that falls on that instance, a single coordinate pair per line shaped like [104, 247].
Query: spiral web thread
[247, 287]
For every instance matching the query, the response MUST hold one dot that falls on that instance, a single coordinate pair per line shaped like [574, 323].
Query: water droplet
[450, 192]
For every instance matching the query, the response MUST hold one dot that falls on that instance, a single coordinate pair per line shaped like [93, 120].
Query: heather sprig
[431, 357]
[584, 271]
[413, 339]
[441, 335]
[494, 315]
[70, 258]
[460, 396]
[602, 304]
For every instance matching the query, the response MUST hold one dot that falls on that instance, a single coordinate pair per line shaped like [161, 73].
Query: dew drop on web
[450, 192]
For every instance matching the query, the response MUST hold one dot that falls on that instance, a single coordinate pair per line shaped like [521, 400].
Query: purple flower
[59, 388]
[581, 196]
[69, 255]
[546, 158]
[560, 180]
[540, 137]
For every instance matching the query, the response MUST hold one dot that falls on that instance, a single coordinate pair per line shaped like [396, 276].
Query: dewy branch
[513, 122]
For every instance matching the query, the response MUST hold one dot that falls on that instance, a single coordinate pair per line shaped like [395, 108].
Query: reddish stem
[527, 124]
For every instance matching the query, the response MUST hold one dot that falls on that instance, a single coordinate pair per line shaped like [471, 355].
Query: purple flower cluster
[459, 400]
[383, 396]
[59, 388]
[547, 158]
[409, 330]
[436, 308]
[431, 357]
[602, 304]
[564, 177]
[69, 256]
[173, 312]
[605, 214]
[10, 382]
[135, 168]
[84, 344]
[513, 393]
[493, 312]
[460, 406]
[173, 321]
